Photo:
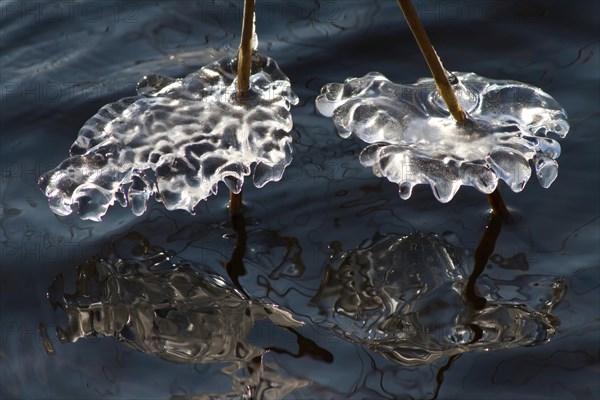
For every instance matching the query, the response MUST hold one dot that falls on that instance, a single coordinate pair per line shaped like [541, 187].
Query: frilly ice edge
[176, 140]
[413, 139]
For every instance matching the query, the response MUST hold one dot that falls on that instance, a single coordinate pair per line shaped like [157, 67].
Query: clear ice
[176, 140]
[413, 139]
[405, 297]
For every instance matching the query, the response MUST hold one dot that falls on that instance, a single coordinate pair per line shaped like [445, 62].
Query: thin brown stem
[498, 206]
[433, 61]
[245, 53]
[444, 87]
[235, 203]
[243, 82]
[235, 266]
[482, 254]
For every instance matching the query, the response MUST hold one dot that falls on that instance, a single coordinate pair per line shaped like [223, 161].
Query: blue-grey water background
[61, 61]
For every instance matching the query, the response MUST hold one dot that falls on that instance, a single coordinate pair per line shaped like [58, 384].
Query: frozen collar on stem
[176, 140]
[413, 139]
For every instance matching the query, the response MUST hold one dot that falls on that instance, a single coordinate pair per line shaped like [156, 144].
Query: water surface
[61, 61]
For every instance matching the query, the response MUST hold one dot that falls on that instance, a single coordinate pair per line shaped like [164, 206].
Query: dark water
[61, 61]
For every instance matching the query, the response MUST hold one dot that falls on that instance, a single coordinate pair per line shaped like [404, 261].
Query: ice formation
[413, 139]
[176, 140]
[180, 311]
[405, 297]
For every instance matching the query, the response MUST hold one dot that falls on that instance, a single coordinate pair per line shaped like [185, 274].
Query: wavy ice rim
[413, 139]
[176, 140]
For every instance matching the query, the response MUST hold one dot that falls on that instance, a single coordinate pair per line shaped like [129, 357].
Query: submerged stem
[235, 266]
[443, 86]
[498, 206]
[482, 254]
[235, 203]
[474, 302]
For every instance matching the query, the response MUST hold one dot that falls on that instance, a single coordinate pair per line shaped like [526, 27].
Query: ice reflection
[413, 299]
[182, 312]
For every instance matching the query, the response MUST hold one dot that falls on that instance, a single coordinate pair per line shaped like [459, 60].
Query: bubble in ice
[405, 297]
[412, 139]
[176, 140]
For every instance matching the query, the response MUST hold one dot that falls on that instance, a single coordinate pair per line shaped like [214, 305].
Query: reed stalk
[243, 82]
[444, 87]
[245, 52]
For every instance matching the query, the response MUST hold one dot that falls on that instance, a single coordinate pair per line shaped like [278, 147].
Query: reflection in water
[279, 256]
[176, 310]
[410, 298]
